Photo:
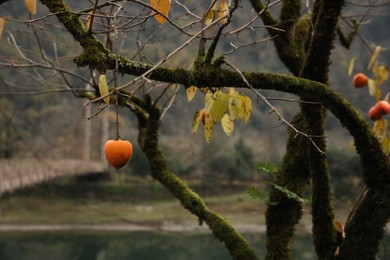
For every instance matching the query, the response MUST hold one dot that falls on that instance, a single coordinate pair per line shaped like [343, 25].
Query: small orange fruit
[118, 152]
[360, 80]
[374, 113]
[383, 107]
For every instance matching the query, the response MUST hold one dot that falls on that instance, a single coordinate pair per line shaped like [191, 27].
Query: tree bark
[374, 206]
[148, 124]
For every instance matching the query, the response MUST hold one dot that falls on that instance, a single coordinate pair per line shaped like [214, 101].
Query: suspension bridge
[20, 173]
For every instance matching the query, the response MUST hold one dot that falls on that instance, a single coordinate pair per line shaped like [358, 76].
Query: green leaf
[290, 194]
[257, 194]
[267, 167]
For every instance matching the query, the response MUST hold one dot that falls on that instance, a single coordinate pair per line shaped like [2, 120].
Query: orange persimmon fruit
[383, 107]
[374, 113]
[118, 152]
[360, 80]
[380, 109]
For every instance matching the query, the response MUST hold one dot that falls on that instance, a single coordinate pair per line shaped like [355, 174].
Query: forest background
[49, 123]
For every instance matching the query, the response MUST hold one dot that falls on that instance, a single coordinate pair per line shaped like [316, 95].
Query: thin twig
[274, 110]
[145, 74]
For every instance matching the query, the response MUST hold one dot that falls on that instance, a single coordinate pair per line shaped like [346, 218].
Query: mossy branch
[282, 213]
[237, 246]
[374, 162]
[285, 50]
[316, 67]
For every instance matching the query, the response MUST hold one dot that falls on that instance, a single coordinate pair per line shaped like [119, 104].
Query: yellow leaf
[208, 128]
[351, 65]
[209, 17]
[103, 88]
[88, 21]
[235, 105]
[223, 10]
[219, 106]
[387, 97]
[2, 23]
[191, 91]
[373, 89]
[162, 6]
[227, 125]
[380, 128]
[386, 144]
[383, 74]
[31, 6]
[209, 100]
[374, 56]
[247, 103]
[196, 121]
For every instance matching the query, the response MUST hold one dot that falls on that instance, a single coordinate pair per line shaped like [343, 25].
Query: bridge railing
[20, 173]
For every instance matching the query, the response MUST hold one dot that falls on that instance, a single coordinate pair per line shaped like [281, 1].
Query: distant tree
[116, 39]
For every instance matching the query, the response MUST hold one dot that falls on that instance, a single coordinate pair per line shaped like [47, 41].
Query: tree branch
[148, 125]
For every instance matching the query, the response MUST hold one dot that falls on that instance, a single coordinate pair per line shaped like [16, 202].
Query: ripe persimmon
[360, 80]
[118, 152]
[383, 107]
[374, 113]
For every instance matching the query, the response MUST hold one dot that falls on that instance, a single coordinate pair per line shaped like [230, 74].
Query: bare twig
[274, 110]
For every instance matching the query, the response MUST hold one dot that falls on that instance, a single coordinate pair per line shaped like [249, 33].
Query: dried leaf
[88, 21]
[373, 89]
[340, 228]
[2, 23]
[209, 17]
[196, 121]
[219, 106]
[227, 125]
[247, 103]
[380, 128]
[386, 145]
[383, 74]
[387, 97]
[351, 65]
[31, 6]
[103, 88]
[163, 6]
[223, 10]
[191, 91]
[374, 56]
[208, 128]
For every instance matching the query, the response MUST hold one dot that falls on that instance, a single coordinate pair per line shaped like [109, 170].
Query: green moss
[283, 213]
[237, 246]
